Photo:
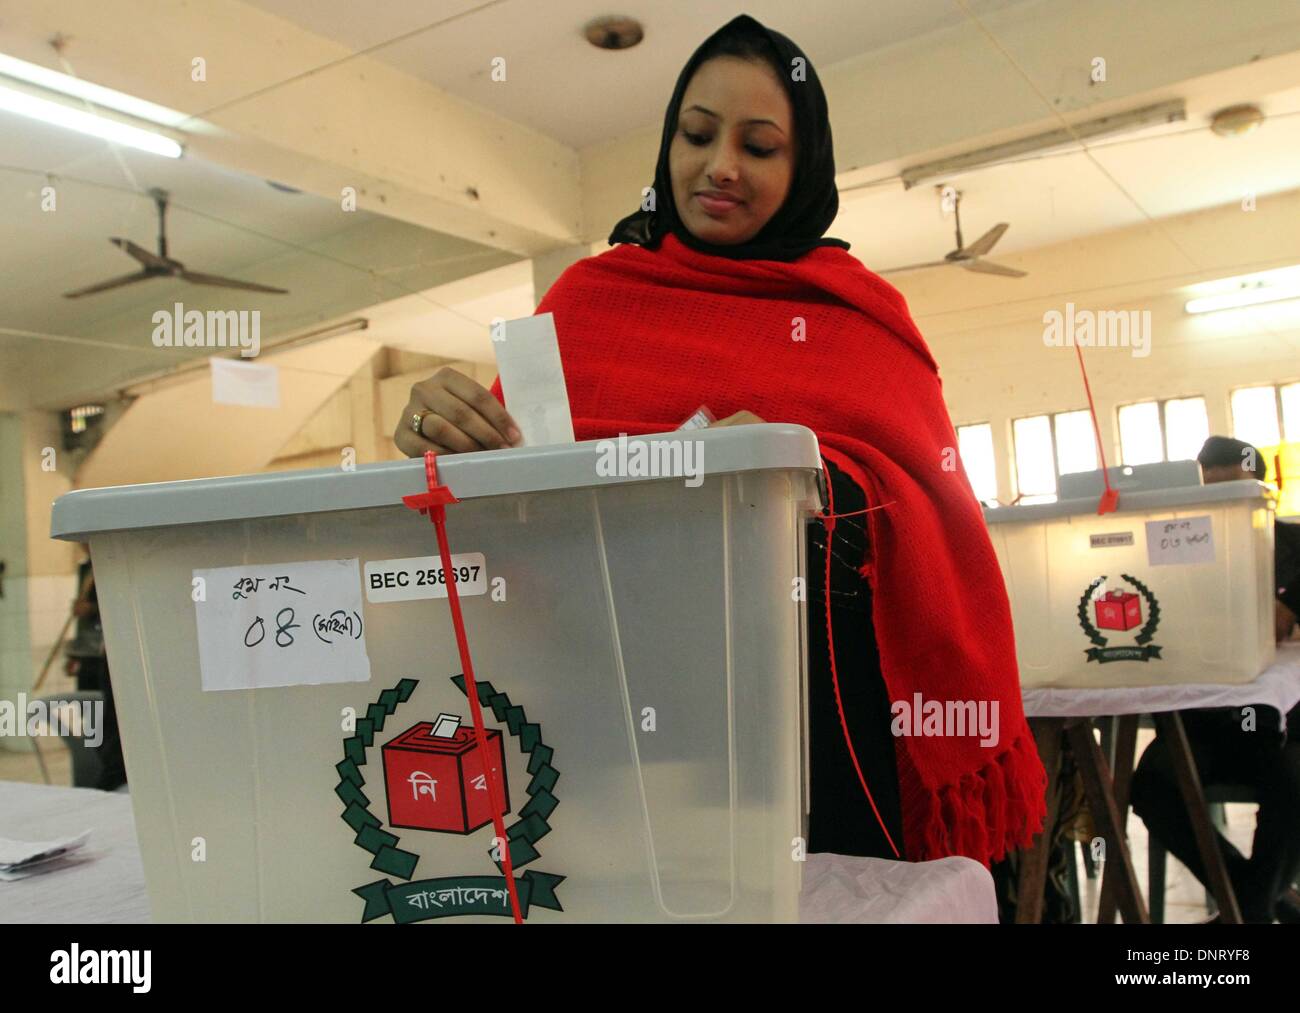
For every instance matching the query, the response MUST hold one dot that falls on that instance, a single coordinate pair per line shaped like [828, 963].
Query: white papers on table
[20, 859]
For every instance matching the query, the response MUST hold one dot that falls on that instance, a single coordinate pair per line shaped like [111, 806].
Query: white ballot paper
[249, 384]
[281, 624]
[532, 380]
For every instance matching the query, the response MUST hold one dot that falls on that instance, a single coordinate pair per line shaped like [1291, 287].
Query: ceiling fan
[970, 257]
[159, 265]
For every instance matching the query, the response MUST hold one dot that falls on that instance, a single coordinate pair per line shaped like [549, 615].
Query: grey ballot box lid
[1131, 478]
[1143, 500]
[728, 450]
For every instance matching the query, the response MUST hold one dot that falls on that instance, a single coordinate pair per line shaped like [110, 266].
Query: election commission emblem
[1119, 611]
[434, 777]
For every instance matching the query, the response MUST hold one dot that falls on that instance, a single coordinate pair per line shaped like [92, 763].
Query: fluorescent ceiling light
[1252, 295]
[1104, 126]
[94, 124]
[1247, 290]
[65, 84]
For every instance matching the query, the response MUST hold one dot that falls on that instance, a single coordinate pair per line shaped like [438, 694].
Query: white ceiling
[561, 85]
[1123, 181]
[335, 262]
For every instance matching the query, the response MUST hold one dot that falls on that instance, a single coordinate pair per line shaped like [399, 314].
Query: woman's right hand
[461, 416]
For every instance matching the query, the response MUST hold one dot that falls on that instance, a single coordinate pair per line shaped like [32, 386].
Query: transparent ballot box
[1174, 587]
[296, 727]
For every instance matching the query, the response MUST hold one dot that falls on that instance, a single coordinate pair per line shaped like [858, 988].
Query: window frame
[1277, 386]
[993, 446]
[1162, 406]
[1056, 454]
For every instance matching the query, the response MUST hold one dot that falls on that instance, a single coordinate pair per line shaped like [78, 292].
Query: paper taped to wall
[250, 384]
[532, 380]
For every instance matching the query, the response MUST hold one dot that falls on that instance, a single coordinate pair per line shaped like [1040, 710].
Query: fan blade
[104, 286]
[139, 253]
[988, 267]
[213, 279]
[987, 241]
[915, 267]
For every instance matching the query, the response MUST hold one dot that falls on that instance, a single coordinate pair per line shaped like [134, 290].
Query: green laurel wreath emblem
[1093, 633]
[1153, 610]
[1102, 654]
[416, 901]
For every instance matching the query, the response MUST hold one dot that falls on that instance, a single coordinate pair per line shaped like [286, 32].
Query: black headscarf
[800, 223]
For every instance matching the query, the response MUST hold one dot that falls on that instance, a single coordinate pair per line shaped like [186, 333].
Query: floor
[24, 766]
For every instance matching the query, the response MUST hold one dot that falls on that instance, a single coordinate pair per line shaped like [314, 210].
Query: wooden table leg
[1097, 785]
[1048, 736]
[1125, 746]
[1170, 727]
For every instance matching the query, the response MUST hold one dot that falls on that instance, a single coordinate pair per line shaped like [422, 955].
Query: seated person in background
[1231, 749]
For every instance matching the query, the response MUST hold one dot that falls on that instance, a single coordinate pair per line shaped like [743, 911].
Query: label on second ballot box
[1180, 541]
[419, 577]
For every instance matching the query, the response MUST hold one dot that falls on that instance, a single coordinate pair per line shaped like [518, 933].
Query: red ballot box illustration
[437, 780]
[1118, 610]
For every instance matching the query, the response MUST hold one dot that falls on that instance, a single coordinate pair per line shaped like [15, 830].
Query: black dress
[840, 818]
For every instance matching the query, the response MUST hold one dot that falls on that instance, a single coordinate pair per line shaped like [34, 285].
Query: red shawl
[647, 336]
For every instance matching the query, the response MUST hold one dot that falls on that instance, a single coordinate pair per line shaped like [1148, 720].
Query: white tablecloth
[837, 889]
[1277, 686]
[108, 889]
[844, 890]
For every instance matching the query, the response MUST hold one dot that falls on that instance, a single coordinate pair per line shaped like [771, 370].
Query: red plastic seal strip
[828, 522]
[434, 504]
[1109, 501]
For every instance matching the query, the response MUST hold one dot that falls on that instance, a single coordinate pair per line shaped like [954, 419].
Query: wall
[364, 414]
[39, 582]
[986, 332]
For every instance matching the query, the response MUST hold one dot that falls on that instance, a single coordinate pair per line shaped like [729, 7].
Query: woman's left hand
[739, 419]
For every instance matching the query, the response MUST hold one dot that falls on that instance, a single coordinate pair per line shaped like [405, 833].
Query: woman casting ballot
[727, 294]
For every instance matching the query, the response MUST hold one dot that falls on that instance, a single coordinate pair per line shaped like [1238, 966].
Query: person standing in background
[88, 664]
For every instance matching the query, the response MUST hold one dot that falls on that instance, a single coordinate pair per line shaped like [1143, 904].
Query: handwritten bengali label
[1180, 541]
[281, 624]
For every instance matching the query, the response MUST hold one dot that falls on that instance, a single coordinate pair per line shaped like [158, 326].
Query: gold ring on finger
[417, 420]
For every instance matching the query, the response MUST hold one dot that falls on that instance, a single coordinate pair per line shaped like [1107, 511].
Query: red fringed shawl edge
[976, 817]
